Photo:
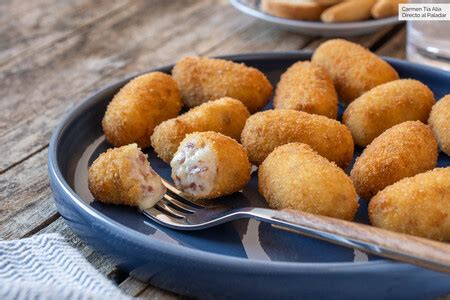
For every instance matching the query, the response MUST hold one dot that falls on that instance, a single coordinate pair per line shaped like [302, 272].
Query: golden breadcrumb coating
[202, 79]
[418, 205]
[439, 122]
[209, 165]
[264, 131]
[353, 68]
[307, 87]
[124, 176]
[403, 150]
[226, 115]
[139, 106]
[387, 105]
[294, 176]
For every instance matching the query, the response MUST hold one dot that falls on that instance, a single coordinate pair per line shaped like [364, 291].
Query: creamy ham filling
[151, 185]
[194, 169]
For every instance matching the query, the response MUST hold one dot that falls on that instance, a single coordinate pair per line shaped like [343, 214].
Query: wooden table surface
[54, 53]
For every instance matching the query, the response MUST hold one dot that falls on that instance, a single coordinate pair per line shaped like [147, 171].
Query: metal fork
[177, 212]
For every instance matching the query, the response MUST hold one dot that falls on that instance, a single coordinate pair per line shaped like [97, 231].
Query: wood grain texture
[25, 197]
[96, 57]
[395, 47]
[27, 28]
[151, 292]
[50, 59]
[366, 40]
[133, 287]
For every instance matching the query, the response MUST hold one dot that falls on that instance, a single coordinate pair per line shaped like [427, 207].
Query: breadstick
[328, 2]
[386, 8]
[348, 11]
[295, 10]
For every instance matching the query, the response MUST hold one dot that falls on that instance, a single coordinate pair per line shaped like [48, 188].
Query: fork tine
[179, 205]
[176, 194]
[165, 208]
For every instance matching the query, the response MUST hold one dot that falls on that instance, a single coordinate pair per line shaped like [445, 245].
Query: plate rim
[311, 24]
[57, 181]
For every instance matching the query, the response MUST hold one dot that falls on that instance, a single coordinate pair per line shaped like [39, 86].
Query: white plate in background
[252, 8]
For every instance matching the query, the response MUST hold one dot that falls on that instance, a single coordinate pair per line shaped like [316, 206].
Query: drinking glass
[428, 42]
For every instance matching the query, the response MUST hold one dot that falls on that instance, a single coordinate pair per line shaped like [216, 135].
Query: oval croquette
[139, 107]
[294, 176]
[387, 105]
[203, 79]
[124, 176]
[307, 87]
[418, 205]
[264, 131]
[401, 151]
[209, 165]
[225, 115]
[353, 68]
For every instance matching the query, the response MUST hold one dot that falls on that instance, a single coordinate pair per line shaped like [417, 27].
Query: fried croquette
[307, 87]
[202, 79]
[294, 176]
[225, 115]
[124, 176]
[439, 122]
[353, 68]
[139, 106]
[264, 131]
[403, 150]
[418, 205]
[209, 165]
[387, 105]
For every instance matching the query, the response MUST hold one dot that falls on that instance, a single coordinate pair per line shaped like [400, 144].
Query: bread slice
[293, 9]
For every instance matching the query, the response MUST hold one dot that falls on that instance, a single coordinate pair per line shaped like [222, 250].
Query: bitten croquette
[209, 165]
[138, 107]
[264, 131]
[124, 176]
[225, 115]
[307, 87]
[418, 205]
[203, 79]
[294, 176]
[353, 68]
[403, 150]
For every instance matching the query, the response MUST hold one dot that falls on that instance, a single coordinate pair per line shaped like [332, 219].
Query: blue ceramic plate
[243, 258]
[251, 8]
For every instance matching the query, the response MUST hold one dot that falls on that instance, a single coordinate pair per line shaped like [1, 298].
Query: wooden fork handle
[402, 247]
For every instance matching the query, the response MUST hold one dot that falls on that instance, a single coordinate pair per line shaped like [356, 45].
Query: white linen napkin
[47, 267]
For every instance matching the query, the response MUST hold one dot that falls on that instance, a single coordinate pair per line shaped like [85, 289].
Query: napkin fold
[47, 267]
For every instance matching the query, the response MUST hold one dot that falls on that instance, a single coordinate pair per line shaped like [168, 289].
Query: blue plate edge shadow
[58, 181]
